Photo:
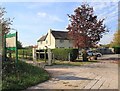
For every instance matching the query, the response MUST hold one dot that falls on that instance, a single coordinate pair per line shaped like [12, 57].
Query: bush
[63, 54]
[117, 50]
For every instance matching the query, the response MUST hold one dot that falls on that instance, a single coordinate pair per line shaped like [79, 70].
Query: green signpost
[11, 44]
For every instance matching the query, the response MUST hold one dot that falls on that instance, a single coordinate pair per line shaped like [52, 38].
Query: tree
[85, 29]
[19, 45]
[116, 39]
[5, 28]
[4, 22]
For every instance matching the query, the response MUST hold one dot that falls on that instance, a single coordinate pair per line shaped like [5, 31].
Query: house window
[61, 41]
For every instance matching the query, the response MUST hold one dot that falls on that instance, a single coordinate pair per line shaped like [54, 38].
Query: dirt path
[103, 75]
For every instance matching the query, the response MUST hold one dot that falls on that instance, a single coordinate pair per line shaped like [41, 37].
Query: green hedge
[117, 49]
[63, 54]
[25, 53]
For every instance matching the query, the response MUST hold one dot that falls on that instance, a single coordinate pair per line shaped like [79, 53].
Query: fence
[25, 53]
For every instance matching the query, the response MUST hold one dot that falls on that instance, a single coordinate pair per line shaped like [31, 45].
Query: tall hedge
[63, 54]
[117, 50]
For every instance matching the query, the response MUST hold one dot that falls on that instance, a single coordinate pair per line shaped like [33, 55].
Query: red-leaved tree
[85, 29]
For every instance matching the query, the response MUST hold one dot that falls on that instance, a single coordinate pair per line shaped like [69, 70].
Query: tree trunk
[84, 55]
[3, 48]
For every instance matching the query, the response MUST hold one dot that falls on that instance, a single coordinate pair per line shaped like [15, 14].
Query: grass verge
[67, 63]
[22, 76]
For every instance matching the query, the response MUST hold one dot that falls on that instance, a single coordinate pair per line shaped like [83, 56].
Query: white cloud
[36, 5]
[59, 0]
[111, 19]
[106, 39]
[53, 18]
[41, 14]
[1, 3]
[107, 10]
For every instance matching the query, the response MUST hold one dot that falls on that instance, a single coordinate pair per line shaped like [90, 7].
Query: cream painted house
[55, 39]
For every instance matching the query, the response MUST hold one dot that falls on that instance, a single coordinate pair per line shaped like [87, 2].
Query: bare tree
[5, 28]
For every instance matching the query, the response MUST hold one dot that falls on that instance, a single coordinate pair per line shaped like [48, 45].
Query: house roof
[56, 34]
[42, 38]
[60, 34]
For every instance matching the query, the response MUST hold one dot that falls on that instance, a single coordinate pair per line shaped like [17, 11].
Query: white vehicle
[91, 53]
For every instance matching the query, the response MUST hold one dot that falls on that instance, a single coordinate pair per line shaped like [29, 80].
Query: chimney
[49, 33]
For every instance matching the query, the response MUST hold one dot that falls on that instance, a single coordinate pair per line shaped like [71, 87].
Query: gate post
[34, 54]
[49, 57]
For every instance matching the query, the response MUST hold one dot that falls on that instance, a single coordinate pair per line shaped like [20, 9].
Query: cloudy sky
[34, 19]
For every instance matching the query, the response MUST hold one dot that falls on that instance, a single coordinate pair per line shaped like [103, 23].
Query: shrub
[117, 49]
[63, 54]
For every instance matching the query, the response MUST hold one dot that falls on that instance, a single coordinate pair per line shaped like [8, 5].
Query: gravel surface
[102, 75]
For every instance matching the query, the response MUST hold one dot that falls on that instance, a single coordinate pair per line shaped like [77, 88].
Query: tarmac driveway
[102, 75]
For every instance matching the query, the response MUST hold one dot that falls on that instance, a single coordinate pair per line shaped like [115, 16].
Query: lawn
[22, 76]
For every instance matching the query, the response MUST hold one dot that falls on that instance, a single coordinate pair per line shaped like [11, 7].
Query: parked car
[91, 53]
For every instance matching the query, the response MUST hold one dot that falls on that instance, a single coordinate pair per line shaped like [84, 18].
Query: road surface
[102, 75]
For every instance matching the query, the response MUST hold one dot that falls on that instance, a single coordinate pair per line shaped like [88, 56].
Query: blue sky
[34, 19]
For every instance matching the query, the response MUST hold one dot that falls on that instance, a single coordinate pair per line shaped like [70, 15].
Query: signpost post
[1, 41]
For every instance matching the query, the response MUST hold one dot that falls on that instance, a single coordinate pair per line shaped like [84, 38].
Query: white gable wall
[41, 45]
[49, 42]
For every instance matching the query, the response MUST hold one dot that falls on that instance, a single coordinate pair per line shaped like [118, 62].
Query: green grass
[22, 77]
[67, 63]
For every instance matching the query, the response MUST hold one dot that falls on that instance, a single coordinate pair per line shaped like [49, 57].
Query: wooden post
[1, 40]
[16, 50]
[1, 53]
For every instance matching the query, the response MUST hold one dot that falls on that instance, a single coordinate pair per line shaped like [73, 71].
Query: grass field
[67, 63]
[21, 76]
